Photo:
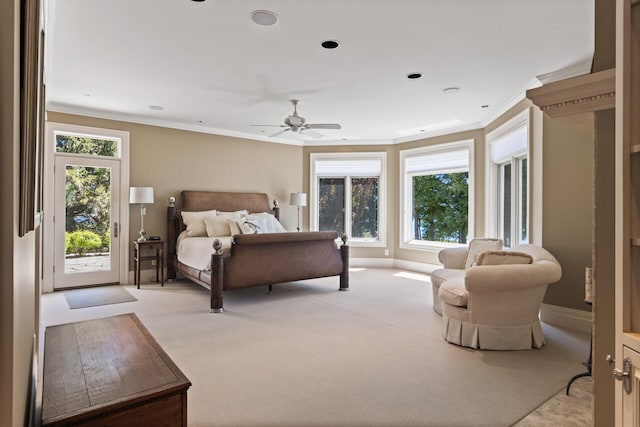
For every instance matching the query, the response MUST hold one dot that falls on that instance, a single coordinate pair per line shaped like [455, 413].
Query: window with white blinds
[436, 195]
[347, 195]
[507, 180]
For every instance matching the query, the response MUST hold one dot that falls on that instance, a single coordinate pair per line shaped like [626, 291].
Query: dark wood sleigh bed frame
[255, 259]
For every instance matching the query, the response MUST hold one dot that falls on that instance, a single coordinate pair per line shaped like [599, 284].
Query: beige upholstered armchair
[495, 302]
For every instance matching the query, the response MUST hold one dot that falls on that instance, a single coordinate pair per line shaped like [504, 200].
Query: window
[436, 195]
[86, 145]
[347, 196]
[508, 182]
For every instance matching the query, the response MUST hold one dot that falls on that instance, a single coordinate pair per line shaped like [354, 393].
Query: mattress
[196, 251]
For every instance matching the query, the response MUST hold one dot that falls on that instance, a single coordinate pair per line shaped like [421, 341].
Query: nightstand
[139, 249]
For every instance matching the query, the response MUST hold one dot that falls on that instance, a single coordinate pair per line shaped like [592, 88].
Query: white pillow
[217, 226]
[195, 222]
[477, 246]
[266, 222]
[246, 227]
[234, 227]
[238, 214]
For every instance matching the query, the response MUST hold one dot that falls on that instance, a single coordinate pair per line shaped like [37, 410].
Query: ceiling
[206, 66]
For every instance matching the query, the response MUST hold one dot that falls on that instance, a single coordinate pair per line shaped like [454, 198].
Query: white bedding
[196, 251]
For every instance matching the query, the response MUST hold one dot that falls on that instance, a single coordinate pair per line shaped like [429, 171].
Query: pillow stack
[478, 246]
[223, 224]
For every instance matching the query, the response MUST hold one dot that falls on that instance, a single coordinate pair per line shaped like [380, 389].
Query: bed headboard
[224, 201]
[208, 200]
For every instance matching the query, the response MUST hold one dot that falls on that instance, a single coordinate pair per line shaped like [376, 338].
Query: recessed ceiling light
[414, 75]
[198, 1]
[156, 107]
[450, 90]
[330, 44]
[264, 17]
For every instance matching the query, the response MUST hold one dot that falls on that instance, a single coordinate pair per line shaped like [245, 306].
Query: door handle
[624, 375]
[115, 229]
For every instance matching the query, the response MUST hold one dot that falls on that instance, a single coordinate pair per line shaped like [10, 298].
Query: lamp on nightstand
[298, 199]
[141, 195]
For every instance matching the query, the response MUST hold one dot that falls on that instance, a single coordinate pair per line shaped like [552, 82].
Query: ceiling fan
[298, 124]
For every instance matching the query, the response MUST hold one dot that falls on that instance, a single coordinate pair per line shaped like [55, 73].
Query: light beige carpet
[308, 355]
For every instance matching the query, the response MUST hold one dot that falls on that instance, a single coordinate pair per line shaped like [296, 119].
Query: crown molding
[130, 118]
[575, 70]
[582, 94]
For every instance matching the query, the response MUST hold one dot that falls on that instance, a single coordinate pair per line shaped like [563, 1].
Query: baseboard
[371, 262]
[421, 267]
[393, 263]
[147, 276]
[579, 320]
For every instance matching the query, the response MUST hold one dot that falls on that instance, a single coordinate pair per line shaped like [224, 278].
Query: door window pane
[331, 204]
[364, 207]
[87, 219]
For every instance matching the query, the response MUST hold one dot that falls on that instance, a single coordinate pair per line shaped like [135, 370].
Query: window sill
[362, 243]
[421, 245]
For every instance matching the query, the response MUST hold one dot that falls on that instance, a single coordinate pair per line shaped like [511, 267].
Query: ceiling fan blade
[279, 132]
[323, 126]
[311, 133]
[279, 126]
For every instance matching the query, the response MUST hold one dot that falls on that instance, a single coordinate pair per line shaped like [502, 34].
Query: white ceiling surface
[213, 70]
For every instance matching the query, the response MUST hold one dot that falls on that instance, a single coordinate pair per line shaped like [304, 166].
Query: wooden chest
[110, 371]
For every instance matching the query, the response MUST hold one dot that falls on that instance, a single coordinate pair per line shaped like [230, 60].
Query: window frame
[314, 192]
[494, 218]
[406, 240]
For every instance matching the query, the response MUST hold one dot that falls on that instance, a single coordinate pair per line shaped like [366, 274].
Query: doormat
[99, 295]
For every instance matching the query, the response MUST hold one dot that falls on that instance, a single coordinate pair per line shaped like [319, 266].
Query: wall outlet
[386, 252]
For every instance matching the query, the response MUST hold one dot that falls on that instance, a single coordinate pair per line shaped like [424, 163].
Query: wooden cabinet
[110, 372]
[627, 256]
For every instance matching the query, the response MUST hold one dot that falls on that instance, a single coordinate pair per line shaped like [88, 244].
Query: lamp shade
[141, 195]
[298, 199]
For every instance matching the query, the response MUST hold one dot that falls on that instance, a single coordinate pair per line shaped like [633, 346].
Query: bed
[246, 260]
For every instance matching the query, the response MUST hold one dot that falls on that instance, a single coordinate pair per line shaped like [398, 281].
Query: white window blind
[512, 144]
[438, 162]
[362, 167]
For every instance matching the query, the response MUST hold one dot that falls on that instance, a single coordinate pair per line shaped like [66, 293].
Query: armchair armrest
[453, 257]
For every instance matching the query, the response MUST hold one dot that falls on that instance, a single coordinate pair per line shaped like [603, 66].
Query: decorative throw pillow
[195, 222]
[477, 246]
[266, 223]
[217, 226]
[247, 227]
[503, 258]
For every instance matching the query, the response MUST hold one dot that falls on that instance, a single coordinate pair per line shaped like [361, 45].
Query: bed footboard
[265, 259]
